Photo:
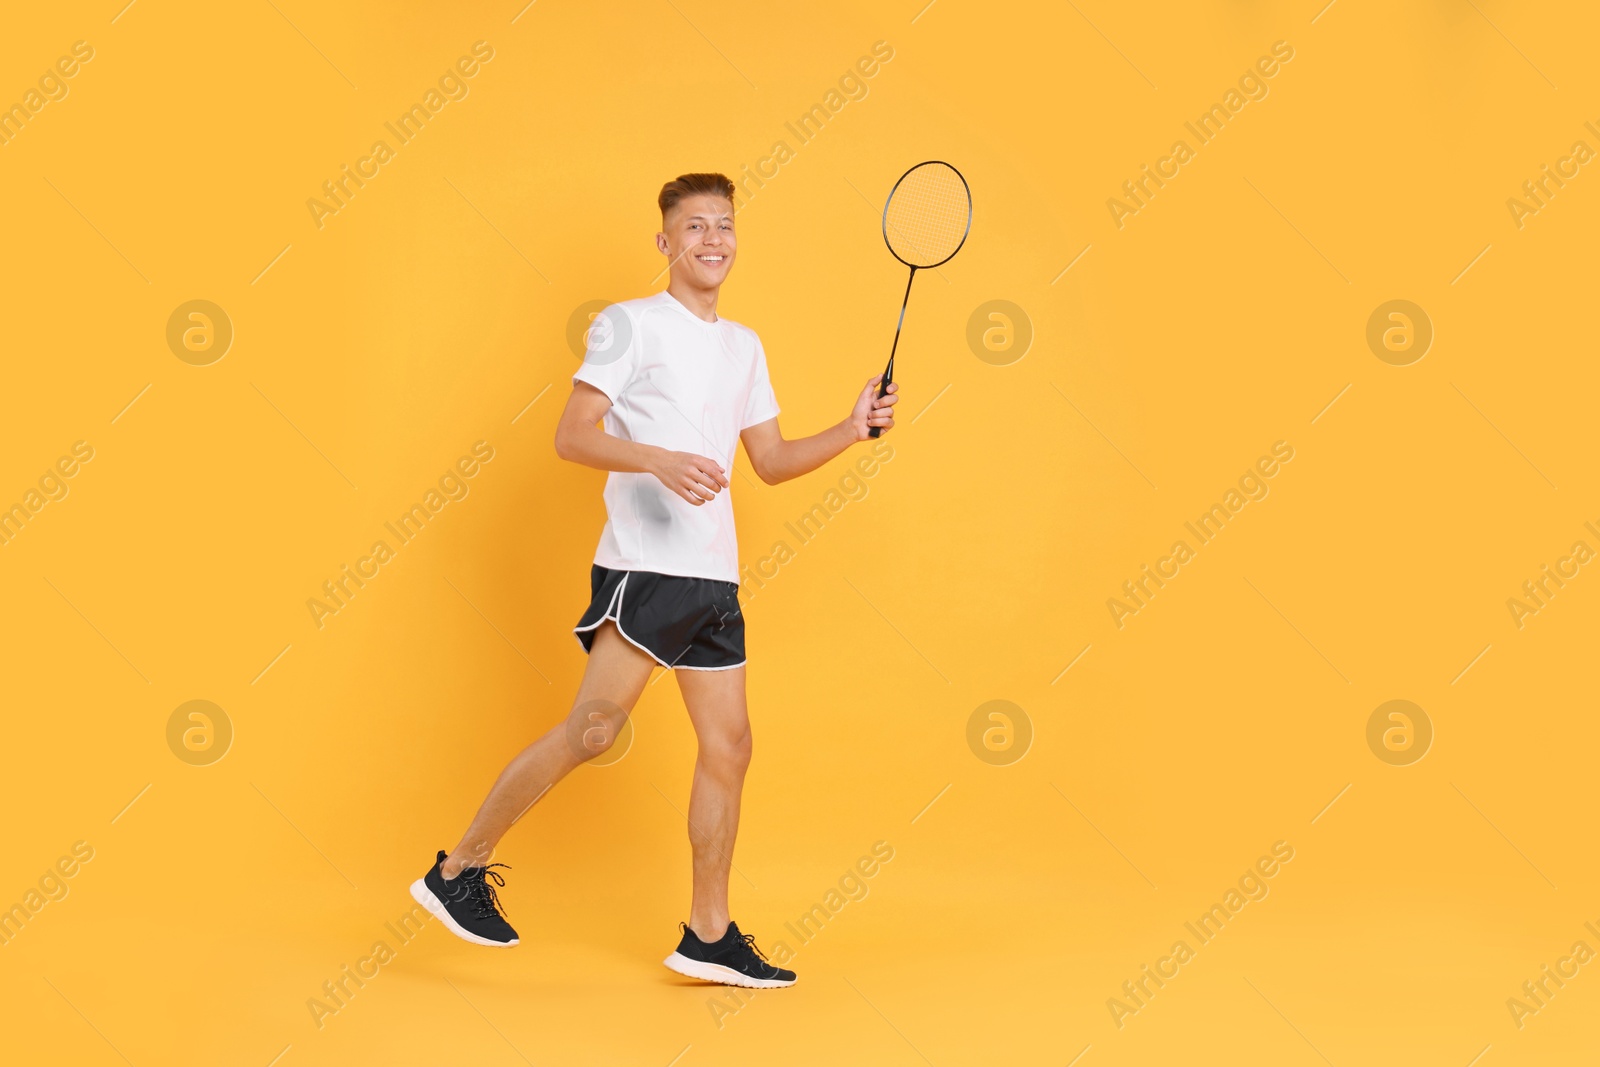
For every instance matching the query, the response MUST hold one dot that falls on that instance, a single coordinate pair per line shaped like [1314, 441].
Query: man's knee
[728, 750]
[593, 726]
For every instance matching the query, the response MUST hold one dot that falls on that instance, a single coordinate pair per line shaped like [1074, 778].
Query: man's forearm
[805, 454]
[593, 447]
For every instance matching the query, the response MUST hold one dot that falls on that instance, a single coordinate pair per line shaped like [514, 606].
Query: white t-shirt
[683, 384]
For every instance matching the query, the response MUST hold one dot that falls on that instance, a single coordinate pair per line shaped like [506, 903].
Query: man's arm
[578, 439]
[777, 460]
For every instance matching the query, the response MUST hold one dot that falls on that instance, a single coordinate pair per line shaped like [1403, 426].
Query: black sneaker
[734, 960]
[467, 904]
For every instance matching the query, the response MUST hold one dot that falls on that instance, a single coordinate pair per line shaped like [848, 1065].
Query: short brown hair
[700, 184]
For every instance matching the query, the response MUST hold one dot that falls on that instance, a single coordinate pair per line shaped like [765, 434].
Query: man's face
[697, 237]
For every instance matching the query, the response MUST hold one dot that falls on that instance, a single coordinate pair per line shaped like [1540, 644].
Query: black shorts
[692, 623]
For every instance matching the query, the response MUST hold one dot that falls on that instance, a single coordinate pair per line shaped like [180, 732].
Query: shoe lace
[481, 893]
[749, 941]
[750, 944]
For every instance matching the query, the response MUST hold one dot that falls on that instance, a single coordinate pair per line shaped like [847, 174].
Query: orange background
[1027, 484]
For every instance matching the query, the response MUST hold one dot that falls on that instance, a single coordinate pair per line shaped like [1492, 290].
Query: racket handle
[883, 388]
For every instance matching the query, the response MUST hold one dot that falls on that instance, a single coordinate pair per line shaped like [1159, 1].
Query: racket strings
[928, 214]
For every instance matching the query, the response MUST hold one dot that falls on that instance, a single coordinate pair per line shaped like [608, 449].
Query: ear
[661, 244]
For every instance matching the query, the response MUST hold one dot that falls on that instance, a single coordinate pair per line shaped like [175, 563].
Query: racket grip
[883, 387]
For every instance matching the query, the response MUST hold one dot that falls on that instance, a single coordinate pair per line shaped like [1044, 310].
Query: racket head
[928, 215]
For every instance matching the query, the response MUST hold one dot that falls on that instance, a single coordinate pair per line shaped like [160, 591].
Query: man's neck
[702, 303]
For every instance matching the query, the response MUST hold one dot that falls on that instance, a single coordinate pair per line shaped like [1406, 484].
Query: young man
[677, 388]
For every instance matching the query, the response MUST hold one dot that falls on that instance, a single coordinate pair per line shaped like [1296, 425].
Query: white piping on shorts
[614, 613]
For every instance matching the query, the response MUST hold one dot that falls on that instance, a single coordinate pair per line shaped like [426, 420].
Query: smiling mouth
[712, 259]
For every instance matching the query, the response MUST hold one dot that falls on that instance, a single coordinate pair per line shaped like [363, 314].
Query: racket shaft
[888, 370]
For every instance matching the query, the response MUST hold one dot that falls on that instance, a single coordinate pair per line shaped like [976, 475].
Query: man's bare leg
[615, 676]
[716, 703]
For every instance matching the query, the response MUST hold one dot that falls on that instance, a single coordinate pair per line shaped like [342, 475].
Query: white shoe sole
[424, 896]
[715, 972]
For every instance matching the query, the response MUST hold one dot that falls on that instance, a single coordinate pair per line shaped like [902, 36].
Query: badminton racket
[925, 222]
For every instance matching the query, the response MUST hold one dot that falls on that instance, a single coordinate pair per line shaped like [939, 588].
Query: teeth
[710, 259]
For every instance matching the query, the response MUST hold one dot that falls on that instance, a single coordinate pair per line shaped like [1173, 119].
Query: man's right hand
[695, 478]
